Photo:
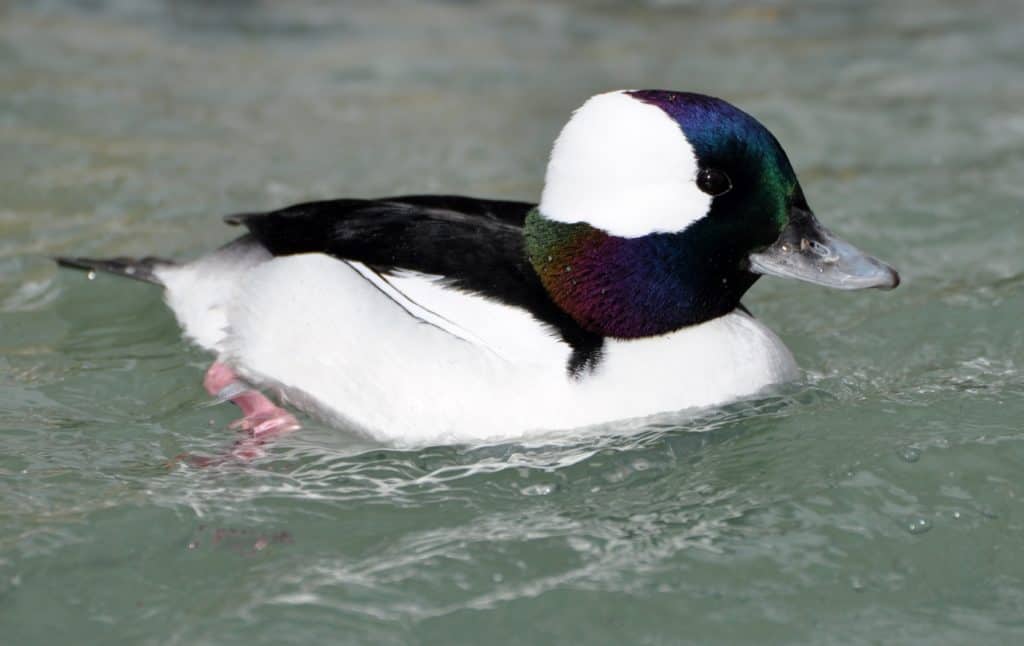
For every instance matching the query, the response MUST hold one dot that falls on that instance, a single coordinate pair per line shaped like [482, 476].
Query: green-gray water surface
[877, 501]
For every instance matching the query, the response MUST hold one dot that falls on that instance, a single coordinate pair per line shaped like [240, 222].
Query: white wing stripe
[415, 309]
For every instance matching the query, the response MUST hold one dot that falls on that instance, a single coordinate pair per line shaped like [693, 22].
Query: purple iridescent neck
[631, 287]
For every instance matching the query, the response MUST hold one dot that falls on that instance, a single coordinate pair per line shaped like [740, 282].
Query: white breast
[410, 361]
[715, 362]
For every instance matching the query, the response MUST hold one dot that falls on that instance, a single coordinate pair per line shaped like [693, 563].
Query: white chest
[716, 362]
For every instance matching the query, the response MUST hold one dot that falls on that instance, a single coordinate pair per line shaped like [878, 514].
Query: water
[877, 501]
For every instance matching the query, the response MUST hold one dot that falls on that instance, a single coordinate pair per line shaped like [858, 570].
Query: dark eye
[713, 182]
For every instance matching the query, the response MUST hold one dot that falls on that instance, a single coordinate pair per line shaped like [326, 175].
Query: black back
[475, 244]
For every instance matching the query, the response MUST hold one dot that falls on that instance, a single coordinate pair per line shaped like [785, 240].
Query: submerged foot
[267, 422]
[262, 420]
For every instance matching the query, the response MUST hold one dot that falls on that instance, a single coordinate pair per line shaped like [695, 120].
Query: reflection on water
[877, 500]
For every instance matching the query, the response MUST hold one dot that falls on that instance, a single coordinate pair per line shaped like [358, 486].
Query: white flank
[340, 346]
[408, 361]
[623, 166]
[198, 292]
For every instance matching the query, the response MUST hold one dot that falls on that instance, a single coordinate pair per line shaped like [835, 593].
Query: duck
[445, 319]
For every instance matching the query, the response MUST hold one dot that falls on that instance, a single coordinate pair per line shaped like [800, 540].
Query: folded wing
[467, 244]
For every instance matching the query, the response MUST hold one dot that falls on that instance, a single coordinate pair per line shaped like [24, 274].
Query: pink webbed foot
[261, 420]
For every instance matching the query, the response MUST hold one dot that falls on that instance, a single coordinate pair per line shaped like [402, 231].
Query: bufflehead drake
[435, 319]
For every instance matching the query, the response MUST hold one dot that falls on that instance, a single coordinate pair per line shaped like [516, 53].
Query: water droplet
[857, 583]
[910, 454]
[568, 268]
[91, 275]
[549, 258]
[193, 545]
[956, 515]
[541, 489]
[497, 578]
[919, 526]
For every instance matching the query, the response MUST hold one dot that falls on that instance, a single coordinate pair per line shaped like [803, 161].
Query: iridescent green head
[660, 209]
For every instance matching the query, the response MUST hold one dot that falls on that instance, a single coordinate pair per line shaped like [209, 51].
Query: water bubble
[193, 545]
[497, 577]
[857, 583]
[910, 454]
[919, 526]
[641, 464]
[91, 275]
[956, 515]
[541, 489]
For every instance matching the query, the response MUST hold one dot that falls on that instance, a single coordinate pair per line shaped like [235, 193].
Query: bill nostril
[815, 247]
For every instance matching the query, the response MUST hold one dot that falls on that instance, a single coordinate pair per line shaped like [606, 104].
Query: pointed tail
[137, 268]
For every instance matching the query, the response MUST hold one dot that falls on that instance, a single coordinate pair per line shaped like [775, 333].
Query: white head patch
[625, 167]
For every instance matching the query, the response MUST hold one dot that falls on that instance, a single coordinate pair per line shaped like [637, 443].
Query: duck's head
[660, 209]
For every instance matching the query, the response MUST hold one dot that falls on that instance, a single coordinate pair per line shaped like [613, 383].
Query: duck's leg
[261, 418]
